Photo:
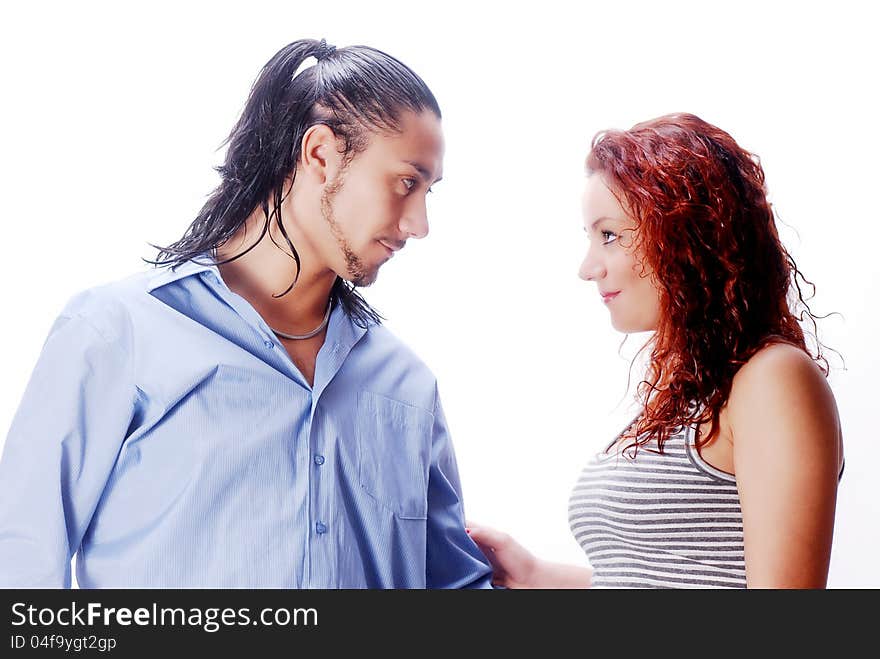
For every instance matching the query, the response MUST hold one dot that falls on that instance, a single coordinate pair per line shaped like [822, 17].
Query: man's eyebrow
[422, 170]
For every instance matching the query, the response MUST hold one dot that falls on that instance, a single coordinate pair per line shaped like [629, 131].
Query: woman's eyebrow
[599, 219]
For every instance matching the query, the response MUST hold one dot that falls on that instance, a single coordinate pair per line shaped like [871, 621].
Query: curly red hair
[708, 233]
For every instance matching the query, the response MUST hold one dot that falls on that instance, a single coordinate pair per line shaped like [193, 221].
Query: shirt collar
[165, 275]
[344, 331]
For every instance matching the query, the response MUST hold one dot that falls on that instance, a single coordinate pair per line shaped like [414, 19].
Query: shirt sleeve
[60, 450]
[453, 559]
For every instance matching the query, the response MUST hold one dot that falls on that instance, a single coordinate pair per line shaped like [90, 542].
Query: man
[238, 417]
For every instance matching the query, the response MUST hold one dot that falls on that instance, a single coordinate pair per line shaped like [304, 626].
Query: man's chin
[362, 280]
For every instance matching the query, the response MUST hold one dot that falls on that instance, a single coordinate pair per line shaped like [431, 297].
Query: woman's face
[625, 284]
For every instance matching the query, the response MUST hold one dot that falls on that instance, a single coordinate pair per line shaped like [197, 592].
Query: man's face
[378, 201]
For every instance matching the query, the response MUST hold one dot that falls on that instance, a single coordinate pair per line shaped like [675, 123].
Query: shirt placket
[324, 532]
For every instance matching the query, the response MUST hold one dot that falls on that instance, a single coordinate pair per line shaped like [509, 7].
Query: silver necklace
[310, 334]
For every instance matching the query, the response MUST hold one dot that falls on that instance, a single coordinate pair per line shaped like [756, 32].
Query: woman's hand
[514, 565]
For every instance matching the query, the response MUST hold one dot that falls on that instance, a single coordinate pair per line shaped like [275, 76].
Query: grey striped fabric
[667, 520]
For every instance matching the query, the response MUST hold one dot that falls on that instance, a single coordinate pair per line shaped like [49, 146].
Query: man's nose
[414, 222]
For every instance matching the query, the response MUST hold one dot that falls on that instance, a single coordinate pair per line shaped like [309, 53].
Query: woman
[728, 476]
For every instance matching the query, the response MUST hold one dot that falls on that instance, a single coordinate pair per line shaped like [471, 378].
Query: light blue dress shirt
[168, 438]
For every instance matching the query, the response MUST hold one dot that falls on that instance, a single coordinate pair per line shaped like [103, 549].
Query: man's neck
[266, 270]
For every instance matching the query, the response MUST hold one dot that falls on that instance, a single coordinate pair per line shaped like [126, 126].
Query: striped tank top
[659, 520]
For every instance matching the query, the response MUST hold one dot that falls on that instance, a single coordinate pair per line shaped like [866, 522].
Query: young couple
[238, 416]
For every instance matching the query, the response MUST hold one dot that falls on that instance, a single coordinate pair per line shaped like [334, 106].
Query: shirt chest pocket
[394, 443]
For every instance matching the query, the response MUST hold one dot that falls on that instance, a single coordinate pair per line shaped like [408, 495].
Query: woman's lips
[607, 297]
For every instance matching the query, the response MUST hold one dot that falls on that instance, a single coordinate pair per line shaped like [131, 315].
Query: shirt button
[319, 460]
[268, 344]
[320, 527]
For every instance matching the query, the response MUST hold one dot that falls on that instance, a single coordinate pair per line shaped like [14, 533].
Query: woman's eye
[608, 237]
[409, 183]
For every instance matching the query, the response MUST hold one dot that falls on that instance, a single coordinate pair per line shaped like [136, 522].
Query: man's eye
[608, 237]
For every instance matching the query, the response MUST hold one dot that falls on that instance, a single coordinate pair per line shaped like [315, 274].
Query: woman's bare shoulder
[779, 369]
[781, 390]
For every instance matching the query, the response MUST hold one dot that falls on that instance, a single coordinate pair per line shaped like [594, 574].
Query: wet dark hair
[351, 90]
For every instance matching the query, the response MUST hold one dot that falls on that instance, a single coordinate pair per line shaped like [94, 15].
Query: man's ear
[320, 159]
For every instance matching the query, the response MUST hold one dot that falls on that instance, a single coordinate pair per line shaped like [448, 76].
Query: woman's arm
[516, 567]
[786, 451]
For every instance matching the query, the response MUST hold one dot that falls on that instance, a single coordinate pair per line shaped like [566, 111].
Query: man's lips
[391, 247]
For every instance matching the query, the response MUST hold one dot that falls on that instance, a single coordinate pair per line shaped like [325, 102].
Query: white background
[112, 116]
